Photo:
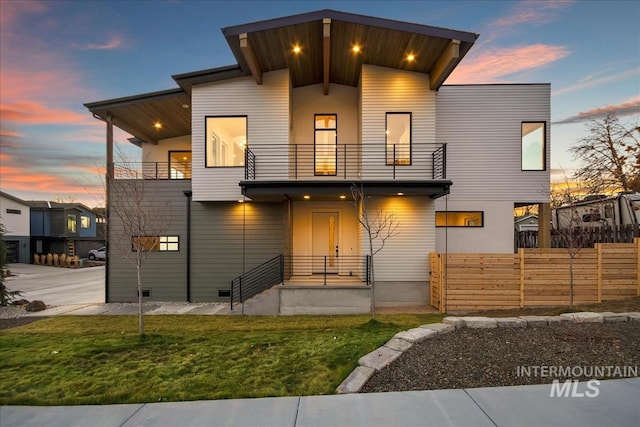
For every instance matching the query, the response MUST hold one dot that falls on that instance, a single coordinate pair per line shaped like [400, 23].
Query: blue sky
[55, 56]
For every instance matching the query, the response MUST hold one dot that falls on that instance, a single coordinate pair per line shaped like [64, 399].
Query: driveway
[58, 286]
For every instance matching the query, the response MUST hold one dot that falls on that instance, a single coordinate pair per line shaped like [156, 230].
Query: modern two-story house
[258, 160]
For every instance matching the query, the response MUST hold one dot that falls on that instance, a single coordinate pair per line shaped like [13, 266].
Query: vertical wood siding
[267, 109]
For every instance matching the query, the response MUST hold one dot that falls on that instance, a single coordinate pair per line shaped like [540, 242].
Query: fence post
[637, 241]
[598, 247]
[443, 287]
[521, 258]
[231, 295]
[325, 270]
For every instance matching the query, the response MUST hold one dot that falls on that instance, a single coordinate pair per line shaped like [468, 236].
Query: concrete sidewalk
[617, 404]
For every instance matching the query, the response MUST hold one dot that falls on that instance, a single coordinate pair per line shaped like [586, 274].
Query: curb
[383, 356]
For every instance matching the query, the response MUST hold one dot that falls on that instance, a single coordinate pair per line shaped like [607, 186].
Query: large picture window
[398, 138]
[225, 141]
[533, 146]
[459, 219]
[325, 140]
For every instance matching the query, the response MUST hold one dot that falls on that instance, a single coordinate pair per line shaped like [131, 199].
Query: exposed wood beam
[445, 64]
[251, 58]
[326, 52]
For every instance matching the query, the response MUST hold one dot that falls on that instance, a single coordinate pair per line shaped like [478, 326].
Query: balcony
[151, 170]
[345, 162]
[297, 171]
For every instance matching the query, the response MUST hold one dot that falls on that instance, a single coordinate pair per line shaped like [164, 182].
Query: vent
[224, 293]
[146, 293]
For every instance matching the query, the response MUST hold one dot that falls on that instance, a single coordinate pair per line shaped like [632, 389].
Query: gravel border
[402, 341]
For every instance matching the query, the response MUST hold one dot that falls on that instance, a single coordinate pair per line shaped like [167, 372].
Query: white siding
[481, 125]
[160, 152]
[267, 109]
[386, 90]
[15, 224]
[405, 257]
[495, 237]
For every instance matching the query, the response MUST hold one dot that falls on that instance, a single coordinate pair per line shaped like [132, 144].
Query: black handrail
[257, 280]
[440, 162]
[355, 266]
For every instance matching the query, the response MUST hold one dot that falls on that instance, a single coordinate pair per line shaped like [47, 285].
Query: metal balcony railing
[152, 170]
[345, 162]
[354, 267]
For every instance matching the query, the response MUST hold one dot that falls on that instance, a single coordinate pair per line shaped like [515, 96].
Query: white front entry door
[324, 241]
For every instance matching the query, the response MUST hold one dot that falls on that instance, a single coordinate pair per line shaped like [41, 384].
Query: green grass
[101, 360]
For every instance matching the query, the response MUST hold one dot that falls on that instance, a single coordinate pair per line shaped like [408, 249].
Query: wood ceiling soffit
[251, 58]
[445, 64]
[326, 52]
[126, 126]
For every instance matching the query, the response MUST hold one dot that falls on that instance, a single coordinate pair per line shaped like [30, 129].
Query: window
[533, 146]
[325, 144]
[180, 164]
[459, 219]
[168, 243]
[100, 220]
[71, 223]
[226, 140]
[85, 221]
[156, 243]
[398, 139]
[14, 211]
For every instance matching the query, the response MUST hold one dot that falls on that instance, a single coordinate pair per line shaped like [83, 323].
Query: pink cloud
[626, 108]
[493, 64]
[589, 81]
[12, 11]
[34, 112]
[10, 134]
[531, 12]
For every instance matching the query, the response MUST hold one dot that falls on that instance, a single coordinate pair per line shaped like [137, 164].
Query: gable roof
[13, 198]
[325, 37]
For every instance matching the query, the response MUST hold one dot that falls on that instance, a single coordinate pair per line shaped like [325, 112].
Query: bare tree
[136, 222]
[568, 228]
[379, 228]
[610, 155]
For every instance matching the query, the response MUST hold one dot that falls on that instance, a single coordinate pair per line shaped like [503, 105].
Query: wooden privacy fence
[534, 277]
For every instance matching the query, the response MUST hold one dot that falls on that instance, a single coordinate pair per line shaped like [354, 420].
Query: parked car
[100, 254]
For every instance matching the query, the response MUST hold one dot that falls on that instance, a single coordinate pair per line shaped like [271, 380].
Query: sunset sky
[55, 56]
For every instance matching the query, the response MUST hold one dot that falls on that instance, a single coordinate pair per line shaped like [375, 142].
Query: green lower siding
[227, 238]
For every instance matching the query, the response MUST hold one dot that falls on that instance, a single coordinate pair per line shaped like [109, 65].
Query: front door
[324, 237]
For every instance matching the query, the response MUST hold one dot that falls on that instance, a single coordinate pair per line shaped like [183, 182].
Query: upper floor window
[533, 146]
[85, 221]
[155, 243]
[226, 140]
[325, 139]
[398, 138]
[71, 223]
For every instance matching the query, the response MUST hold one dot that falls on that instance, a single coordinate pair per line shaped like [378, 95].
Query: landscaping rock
[480, 322]
[36, 305]
[415, 334]
[439, 328]
[511, 322]
[356, 379]
[398, 344]
[633, 316]
[614, 317]
[379, 358]
[20, 302]
[554, 320]
[456, 322]
[584, 317]
[535, 321]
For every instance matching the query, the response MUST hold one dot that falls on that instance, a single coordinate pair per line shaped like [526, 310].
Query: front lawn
[101, 360]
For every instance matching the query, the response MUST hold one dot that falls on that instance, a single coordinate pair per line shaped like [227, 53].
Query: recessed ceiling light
[343, 197]
[411, 57]
[355, 48]
[297, 49]
[240, 201]
[157, 125]
[306, 197]
[400, 194]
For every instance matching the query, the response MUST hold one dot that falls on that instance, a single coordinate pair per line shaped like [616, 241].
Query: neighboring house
[62, 228]
[526, 223]
[14, 215]
[316, 103]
